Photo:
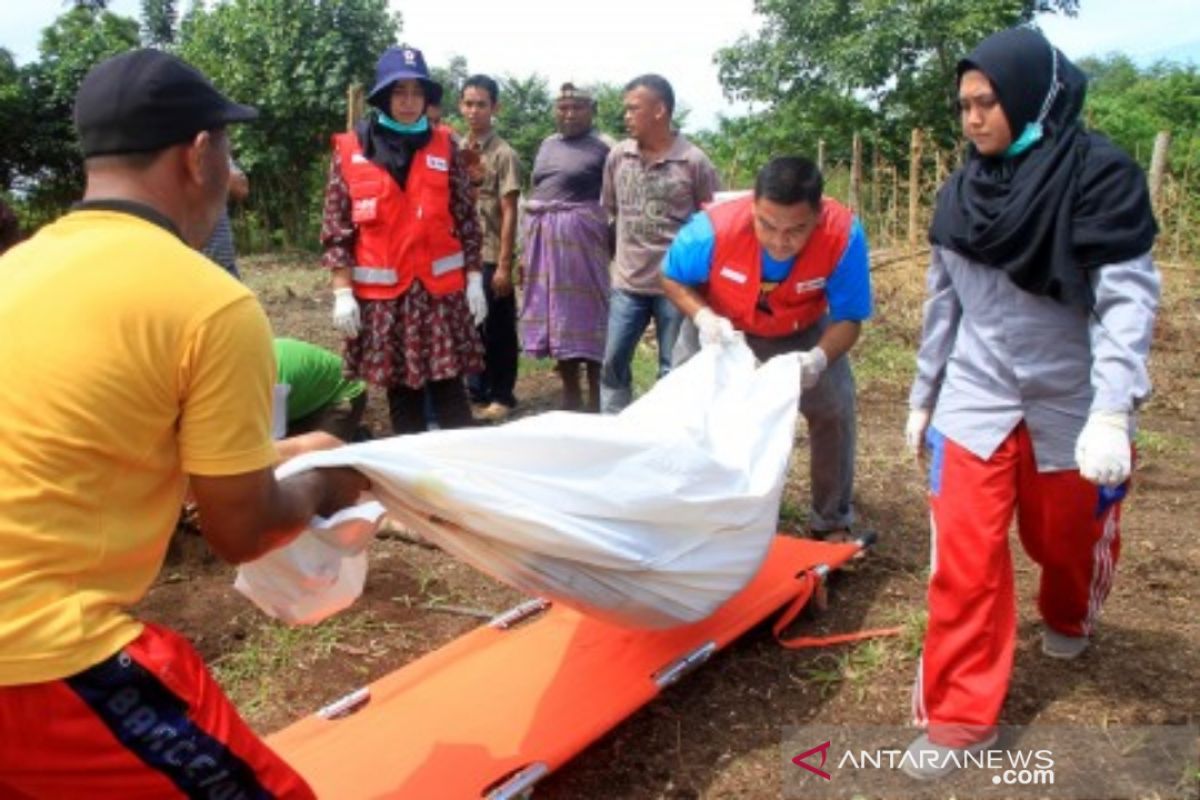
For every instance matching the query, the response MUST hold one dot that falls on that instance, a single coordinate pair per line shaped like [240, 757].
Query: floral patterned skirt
[413, 339]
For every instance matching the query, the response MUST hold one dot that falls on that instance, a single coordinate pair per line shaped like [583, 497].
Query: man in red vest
[788, 268]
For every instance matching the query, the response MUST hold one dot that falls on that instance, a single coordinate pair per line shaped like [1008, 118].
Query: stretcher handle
[809, 581]
[521, 782]
[519, 613]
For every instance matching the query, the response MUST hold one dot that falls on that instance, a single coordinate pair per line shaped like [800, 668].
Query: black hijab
[1070, 203]
[387, 148]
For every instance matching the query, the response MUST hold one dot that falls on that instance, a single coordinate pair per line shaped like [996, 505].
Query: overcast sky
[615, 40]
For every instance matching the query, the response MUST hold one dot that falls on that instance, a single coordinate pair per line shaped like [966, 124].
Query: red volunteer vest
[735, 277]
[403, 234]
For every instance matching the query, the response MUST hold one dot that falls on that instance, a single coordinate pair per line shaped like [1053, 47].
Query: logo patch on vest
[434, 162]
[733, 275]
[364, 209]
[810, 286]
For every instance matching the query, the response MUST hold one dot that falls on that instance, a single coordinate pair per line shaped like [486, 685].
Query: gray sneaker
[927, 761]
[1059, 645]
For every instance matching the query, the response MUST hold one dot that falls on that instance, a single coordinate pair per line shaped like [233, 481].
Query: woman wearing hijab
[1032, 364]
[402, 240]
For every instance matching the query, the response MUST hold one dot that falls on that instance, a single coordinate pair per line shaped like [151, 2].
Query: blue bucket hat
[397, 64]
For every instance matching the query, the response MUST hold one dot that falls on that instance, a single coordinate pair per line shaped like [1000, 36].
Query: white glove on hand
[914, 430]
[713, 328]
[476, 300]
[812, 364]
[1103, 450]
[346, 318]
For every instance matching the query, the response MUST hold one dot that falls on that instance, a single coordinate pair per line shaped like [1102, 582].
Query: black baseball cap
[146, 100]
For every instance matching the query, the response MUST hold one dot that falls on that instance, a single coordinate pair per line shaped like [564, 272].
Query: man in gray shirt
[653, 181]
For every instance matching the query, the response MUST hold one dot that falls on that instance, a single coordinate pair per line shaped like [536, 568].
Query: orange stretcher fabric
[494, 703]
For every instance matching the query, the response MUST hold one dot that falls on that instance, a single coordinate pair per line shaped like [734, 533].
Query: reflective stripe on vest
[448, 263]
[379, 276]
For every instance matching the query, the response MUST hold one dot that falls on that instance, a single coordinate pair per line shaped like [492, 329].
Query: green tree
[158, 22]
[526, 116]
[451, 77]
[79, 39]
[293, 60]
[894, 59]
[14, 117]
[610, 108]
[1131, 105]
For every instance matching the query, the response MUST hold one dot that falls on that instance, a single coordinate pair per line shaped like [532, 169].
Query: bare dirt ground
[717, 734]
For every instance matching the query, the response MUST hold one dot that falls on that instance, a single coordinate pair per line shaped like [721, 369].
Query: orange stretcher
[499, 708]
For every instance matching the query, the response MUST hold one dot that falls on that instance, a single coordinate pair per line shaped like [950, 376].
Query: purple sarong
[565, 314]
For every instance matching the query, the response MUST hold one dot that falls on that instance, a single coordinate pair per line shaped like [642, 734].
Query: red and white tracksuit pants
[1068, 526]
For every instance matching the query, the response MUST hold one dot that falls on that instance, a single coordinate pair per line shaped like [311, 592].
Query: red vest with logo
[402, 234]
[735, 286]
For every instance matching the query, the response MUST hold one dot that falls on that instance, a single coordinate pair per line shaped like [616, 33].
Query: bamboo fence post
[856, 174]
[894, 213]
[1183, 192]
[914, 187]
[821, 155]
[1158, 167]
[876, 178]
[354, 105]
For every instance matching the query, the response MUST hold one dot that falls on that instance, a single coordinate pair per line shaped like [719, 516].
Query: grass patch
[881, 358]
[793, 515]
[534, 366]
[855, 668]
[644, 368]
[1152, 443]
[277, 649]
[298, 274]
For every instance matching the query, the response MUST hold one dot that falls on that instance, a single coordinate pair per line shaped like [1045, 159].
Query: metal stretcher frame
[499, 708]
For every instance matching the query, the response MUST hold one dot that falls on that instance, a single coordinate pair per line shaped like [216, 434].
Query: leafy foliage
[51, 165]
[1131, 105]
[814, 61]
[158, 22]
[526, 116]
[293, 60]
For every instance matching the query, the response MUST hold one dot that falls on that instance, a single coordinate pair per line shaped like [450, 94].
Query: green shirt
[314, 375]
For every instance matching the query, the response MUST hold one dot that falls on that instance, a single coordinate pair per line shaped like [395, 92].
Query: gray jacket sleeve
[938, 331]
[1120, 328]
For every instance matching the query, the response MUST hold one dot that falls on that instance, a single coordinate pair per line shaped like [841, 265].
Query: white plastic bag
[317, 574]
[651, 518]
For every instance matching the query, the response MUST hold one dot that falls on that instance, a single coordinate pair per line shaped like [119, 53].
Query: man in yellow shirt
[132, 368]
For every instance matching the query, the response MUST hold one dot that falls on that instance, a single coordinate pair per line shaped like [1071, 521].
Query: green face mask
[420, 126]
[1028, 138]
[1033, 131]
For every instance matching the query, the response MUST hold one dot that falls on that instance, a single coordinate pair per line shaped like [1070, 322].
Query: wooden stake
[1158, 167]
[855, 174]
[354, 105]
[914, 187]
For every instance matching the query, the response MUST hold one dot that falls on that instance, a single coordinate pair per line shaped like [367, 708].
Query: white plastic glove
[1103, 450]
[713, 328]
[914, 430]
[476, 299]
[812, 364]
[346, 317]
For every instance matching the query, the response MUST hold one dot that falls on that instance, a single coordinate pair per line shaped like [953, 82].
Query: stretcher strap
[808, 583]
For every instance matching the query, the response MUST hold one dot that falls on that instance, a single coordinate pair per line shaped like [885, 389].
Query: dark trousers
[499, 333]
[446, 399]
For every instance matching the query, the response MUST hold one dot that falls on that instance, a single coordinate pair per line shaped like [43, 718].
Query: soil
[717, 734]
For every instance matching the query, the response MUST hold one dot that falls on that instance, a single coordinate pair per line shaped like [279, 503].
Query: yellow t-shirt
[129, 360]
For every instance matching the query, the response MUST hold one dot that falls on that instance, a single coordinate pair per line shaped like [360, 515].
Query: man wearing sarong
[565, 315]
